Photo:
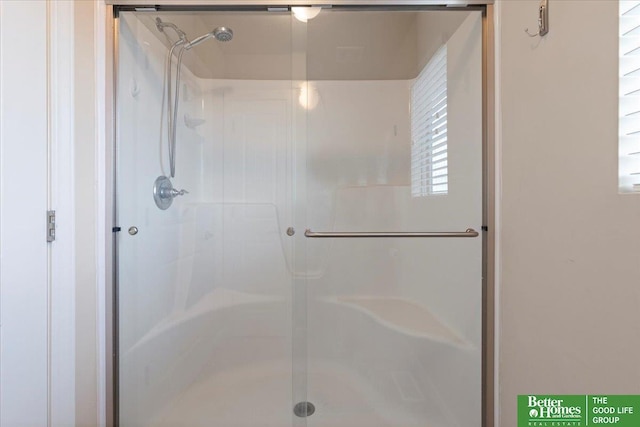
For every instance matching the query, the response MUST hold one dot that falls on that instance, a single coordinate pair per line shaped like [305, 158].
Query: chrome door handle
[469, 232]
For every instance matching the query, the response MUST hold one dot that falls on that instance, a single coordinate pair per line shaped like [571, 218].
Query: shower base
[261, 395]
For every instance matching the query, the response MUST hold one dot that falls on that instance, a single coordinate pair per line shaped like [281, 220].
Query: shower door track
[488, 166]
[240, 5]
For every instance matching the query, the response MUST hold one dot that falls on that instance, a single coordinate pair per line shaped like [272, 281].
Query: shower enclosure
[324, 264]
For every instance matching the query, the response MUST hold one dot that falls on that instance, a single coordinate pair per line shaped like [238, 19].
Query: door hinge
[51, 226]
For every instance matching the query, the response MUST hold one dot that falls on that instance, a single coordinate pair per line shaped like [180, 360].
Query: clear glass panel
[394, 324]
[205, 286]
[228, 314]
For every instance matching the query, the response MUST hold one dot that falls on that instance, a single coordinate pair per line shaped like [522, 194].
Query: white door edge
[62, 309]
[104, 61]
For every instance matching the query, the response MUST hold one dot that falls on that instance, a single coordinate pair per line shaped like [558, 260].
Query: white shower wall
[141, 159]
[156, 265]
[375, 307]
[206, 286]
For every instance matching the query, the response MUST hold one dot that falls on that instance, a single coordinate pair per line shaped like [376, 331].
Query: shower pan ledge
[403, 316]
[216, 300]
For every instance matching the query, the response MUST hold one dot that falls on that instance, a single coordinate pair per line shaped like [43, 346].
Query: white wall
[24, 267]
[569, 293]
[37, 338]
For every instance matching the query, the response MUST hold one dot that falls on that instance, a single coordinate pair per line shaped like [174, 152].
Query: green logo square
[536, 410]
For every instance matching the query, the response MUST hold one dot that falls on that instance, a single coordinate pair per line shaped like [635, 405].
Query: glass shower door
[394, 145]
[204, 292]
[265, 295]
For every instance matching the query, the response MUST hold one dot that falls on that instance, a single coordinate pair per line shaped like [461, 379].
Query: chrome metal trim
[489, 217]
[115, 291]
[469, 232]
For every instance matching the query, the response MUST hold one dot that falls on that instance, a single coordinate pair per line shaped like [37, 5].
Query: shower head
[222, 34]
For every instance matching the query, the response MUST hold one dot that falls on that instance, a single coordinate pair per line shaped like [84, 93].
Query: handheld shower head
[222, 34]
[198, 40]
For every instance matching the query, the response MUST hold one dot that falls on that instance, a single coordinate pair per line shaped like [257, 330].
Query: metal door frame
[488, 159]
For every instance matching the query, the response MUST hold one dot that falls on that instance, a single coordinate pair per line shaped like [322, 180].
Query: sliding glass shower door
[205, 277]
[393, 202]
[323, 265]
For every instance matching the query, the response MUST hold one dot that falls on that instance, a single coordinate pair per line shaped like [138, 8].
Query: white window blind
[429, 162]
[629, 92]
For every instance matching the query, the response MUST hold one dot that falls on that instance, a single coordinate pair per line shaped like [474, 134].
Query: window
[629, 92]
[429, 167]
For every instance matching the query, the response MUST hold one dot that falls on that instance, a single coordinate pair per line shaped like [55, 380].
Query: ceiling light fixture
[303, 14]
[309, 96]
